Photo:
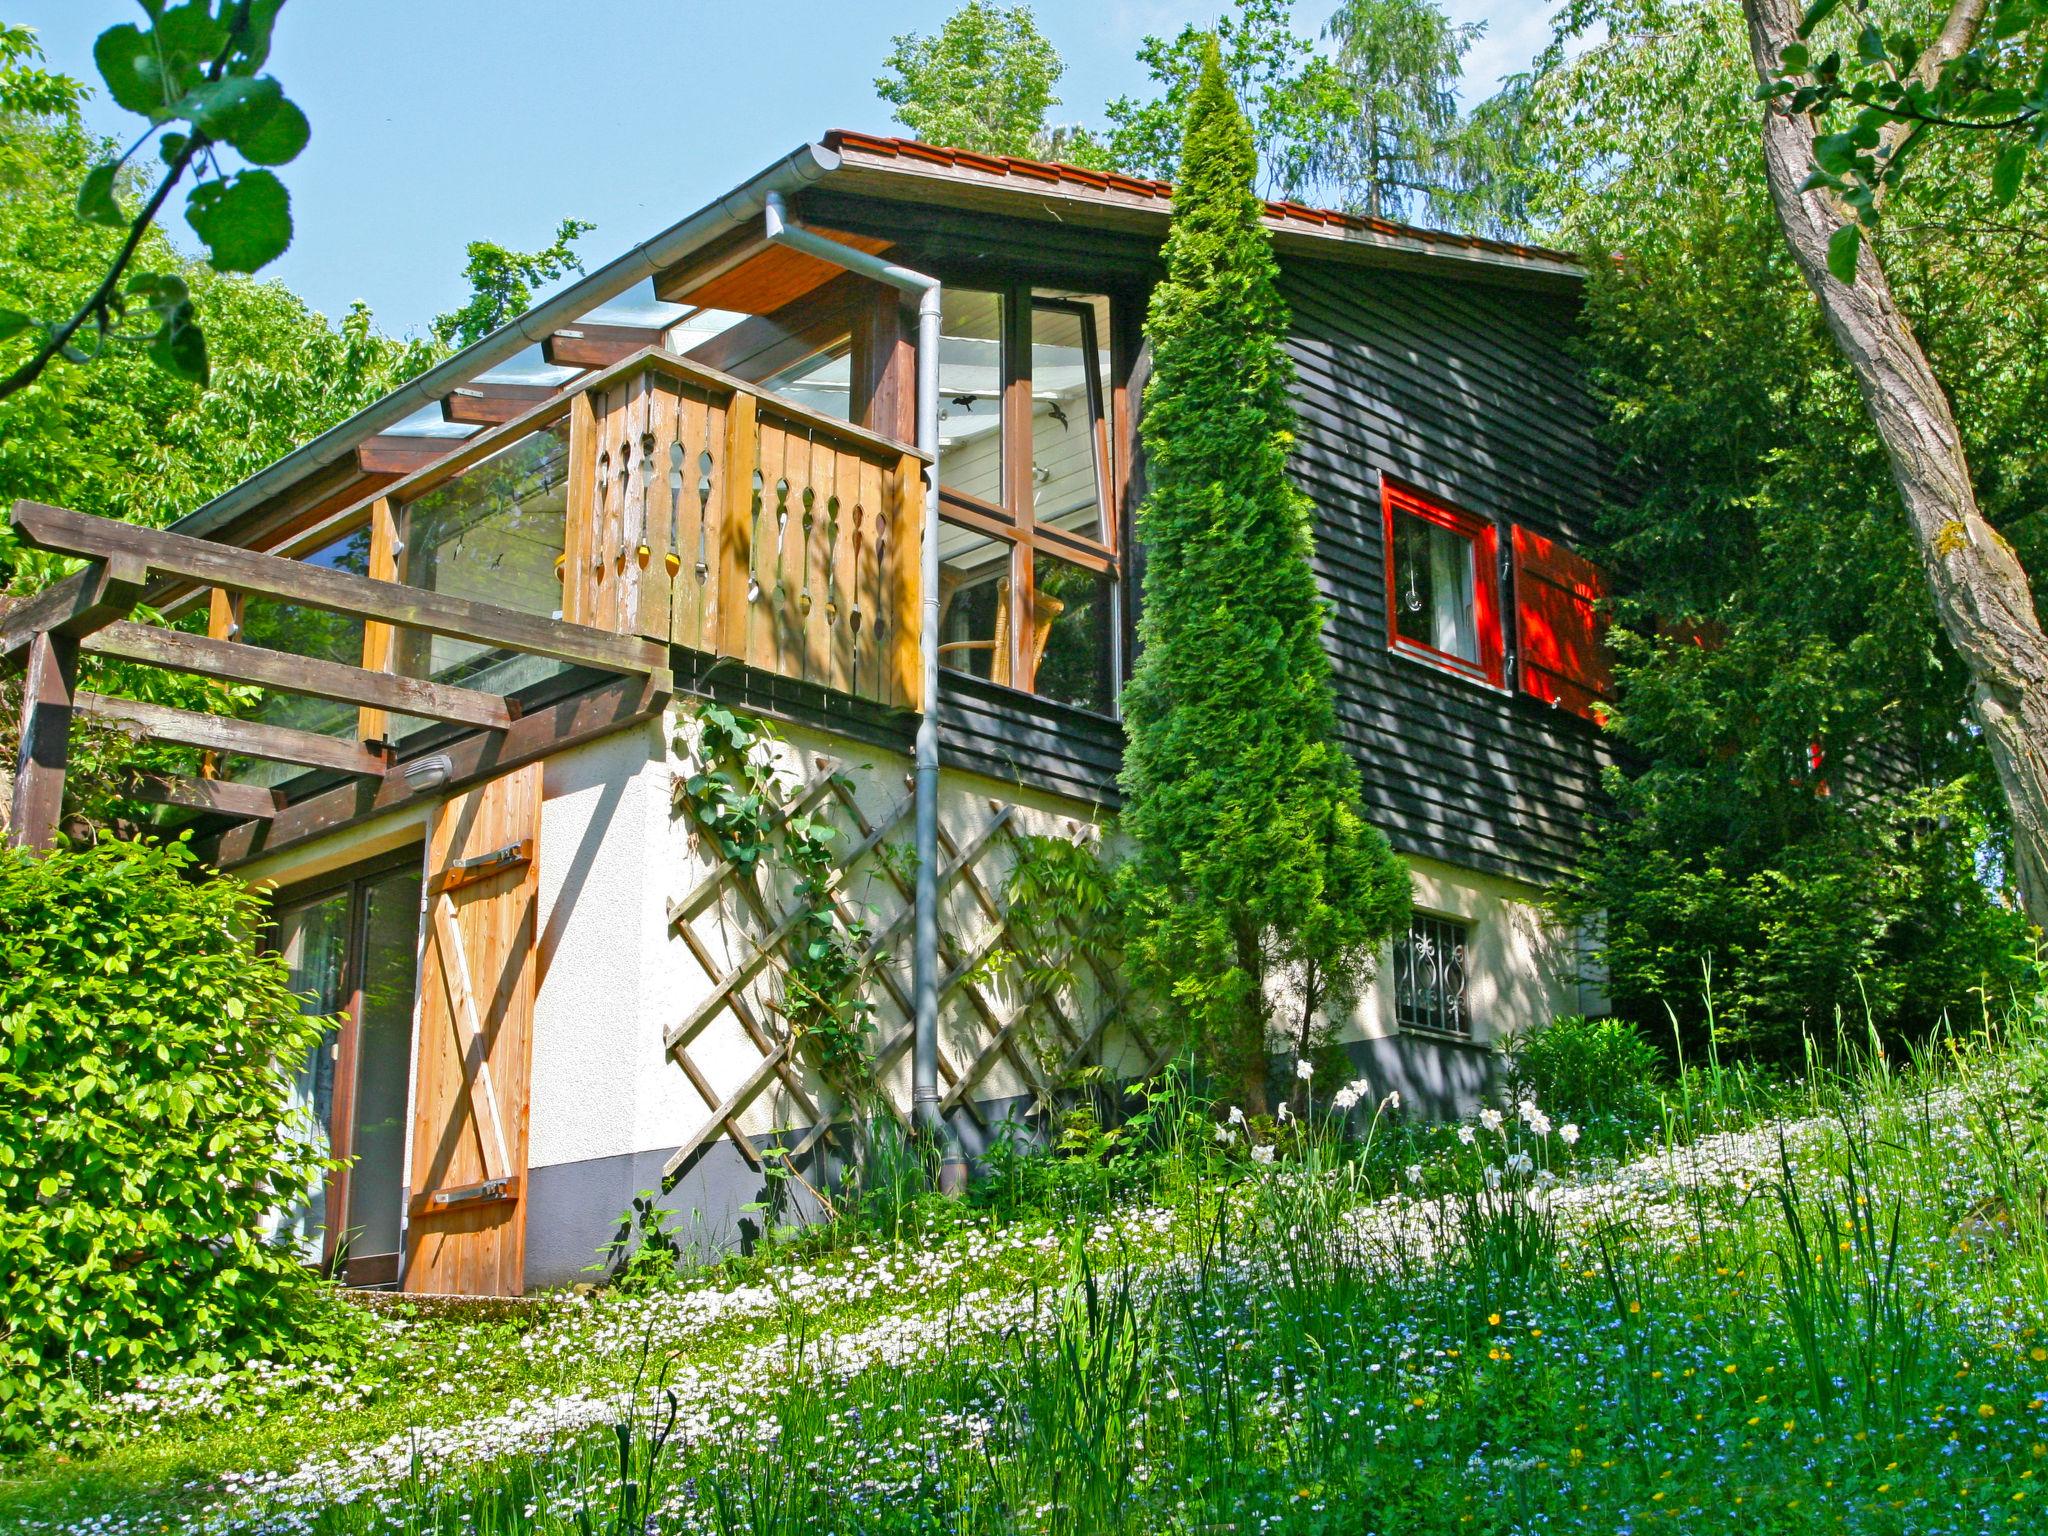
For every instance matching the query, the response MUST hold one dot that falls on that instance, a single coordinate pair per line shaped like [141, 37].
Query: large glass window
[1070, 469]
[971, 394]
[1028, 590]
[822, 382]
[1074, 643]
[493, 534]
[352, 956]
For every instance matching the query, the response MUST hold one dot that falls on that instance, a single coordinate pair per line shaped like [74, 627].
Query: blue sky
[436, 122]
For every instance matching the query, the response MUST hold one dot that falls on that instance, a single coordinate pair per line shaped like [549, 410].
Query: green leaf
[276, 137]
[1834, 153]
[1870, 44]
[1795, 57]
[2006, 173]
[216, 106]
[12, 323]
[48, 1186]
[96, 201]
[1843, 246]
[127, 63]
[179, 348]
[1817, 13]
[245, 222]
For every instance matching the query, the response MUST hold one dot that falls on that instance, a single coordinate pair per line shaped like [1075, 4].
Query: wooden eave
[919, 184]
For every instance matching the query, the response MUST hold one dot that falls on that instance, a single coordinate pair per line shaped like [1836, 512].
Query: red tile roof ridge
[1062, 172]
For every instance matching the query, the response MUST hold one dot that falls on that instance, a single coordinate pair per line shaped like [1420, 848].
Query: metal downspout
[924, 1044]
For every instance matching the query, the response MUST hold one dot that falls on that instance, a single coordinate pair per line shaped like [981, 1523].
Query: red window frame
[1483, 537]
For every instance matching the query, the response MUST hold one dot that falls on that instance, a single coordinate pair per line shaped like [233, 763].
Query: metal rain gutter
[737, 207]
[924, 985]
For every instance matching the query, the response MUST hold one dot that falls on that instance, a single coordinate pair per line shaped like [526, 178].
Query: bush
[1588, 1070]
[145, 1129]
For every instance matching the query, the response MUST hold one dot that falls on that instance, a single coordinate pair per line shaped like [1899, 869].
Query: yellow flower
[1728, 1370]
[1986, 1411]
[2038, 1353]
[1635, 1306]
[1535, 1333]
[1493, 1319]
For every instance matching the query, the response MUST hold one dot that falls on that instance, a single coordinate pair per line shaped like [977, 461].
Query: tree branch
[103, 296]
[1958, 34]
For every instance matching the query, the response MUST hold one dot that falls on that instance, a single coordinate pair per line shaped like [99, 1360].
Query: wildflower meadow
[1810, 1305]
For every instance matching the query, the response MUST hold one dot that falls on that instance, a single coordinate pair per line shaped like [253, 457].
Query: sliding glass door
[352, 948]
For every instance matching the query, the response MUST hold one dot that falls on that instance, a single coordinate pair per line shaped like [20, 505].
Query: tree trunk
[1981, 592]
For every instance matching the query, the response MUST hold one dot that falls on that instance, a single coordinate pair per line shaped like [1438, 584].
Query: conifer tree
[1260, 894]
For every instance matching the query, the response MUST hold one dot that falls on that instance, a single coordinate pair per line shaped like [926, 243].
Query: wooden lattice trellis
[744, 984]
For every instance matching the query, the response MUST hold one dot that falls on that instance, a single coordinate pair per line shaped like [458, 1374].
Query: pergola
[88, 613]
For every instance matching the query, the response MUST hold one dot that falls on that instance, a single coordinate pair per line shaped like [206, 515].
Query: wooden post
[579, 530]
[379, 640]
[223, 622]
[736, 531]
[46, 702]
[904, 598]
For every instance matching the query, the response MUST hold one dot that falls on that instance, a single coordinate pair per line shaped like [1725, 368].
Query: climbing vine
[1066, 916]
[736, 799]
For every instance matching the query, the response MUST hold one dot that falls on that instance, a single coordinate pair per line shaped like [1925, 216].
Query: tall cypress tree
[1261, 895]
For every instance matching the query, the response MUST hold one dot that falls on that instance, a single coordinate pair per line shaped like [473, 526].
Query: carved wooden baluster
[674, 558]
[754, 544]
[853, 619]
[703, 536]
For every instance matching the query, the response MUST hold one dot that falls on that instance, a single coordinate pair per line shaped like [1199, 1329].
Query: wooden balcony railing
[707, 512]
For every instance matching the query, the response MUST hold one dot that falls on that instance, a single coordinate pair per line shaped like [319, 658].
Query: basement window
[1430, 974]
[1443, 584]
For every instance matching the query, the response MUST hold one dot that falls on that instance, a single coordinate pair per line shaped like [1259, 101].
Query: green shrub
[145, 1128]
[1588, 1069]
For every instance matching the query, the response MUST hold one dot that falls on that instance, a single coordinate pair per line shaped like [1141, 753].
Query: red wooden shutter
[1564, 658]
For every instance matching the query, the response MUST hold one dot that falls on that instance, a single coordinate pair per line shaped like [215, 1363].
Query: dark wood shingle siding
[1468, 392]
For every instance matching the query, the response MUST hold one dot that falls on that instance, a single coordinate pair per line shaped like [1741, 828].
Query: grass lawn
[1831, 1319]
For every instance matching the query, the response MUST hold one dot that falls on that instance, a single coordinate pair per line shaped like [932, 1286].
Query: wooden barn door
[467, 1232]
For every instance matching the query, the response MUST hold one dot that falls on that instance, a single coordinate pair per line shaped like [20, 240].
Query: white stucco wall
[614, 976]
[1522, 969]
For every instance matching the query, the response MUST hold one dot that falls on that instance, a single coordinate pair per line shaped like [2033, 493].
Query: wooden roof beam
[492, 405]
[222, 797]
[249, 738]
[597, 346]
[295, 581]
[398, 453]
[232, 662]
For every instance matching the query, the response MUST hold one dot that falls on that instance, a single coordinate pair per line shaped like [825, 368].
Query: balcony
[658, 503]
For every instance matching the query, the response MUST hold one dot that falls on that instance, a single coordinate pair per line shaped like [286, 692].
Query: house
[490, 608]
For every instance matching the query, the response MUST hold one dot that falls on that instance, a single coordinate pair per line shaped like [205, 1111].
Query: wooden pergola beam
[223, 797]
[250, 738]
[540, 733]
[231, 662]
[492, 405]
[104, 591]
[296, 581]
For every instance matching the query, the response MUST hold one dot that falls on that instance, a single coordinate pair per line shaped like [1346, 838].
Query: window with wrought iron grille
[1429, 976]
